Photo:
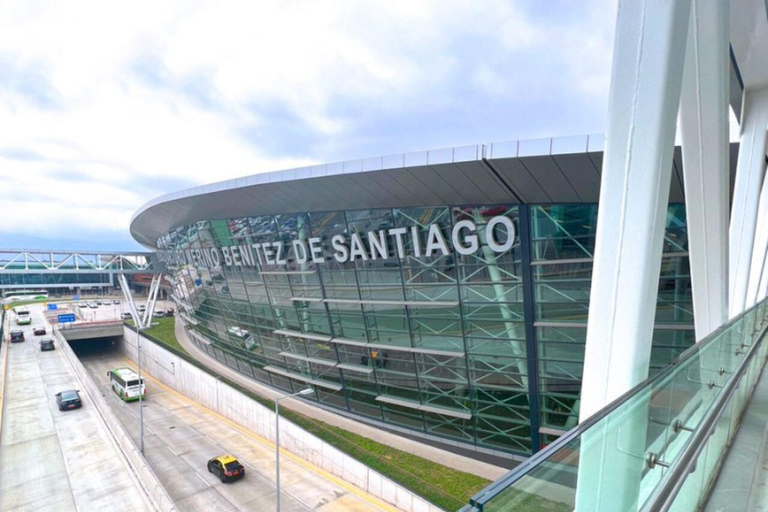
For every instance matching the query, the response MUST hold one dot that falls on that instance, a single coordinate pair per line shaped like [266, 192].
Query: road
[54, 460]
[180, 436]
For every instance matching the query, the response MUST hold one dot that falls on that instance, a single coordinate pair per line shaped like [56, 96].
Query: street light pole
[277, 440]
[141, 388]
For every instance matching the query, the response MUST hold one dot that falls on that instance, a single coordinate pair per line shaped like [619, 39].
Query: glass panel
[622, 458]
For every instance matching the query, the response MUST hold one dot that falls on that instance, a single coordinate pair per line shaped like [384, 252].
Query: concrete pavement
[54, 460]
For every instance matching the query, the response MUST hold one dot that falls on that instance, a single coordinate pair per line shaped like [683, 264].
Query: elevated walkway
[662, 445]
[742, 484]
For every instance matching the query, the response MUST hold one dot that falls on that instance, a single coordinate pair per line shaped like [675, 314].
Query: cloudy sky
[105, 105]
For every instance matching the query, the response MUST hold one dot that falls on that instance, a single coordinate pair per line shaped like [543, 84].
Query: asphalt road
[180, 437]
[54, 460]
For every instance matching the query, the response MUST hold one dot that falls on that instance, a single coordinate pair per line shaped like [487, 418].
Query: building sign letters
[465, 239]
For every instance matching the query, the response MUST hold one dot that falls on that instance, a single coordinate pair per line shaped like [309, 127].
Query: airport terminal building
[442, 294]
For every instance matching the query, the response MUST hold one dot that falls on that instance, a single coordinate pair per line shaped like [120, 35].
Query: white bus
[22, 316]
[125, 382]
[11, 296]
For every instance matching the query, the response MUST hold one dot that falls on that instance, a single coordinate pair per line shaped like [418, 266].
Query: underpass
[54, 460]
[180, 436]
[92, 462]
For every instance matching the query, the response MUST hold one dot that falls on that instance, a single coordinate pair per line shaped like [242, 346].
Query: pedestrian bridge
[661, 445]
[19, 261]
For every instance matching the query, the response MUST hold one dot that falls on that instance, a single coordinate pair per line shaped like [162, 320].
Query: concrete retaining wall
[210, 392]
[154, 490]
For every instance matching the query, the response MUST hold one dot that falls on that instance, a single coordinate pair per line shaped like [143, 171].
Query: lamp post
[141, 388]
[277, 440]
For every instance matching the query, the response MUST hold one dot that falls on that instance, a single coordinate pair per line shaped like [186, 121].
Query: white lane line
[173, 452]
[248, 465]
[202, 479]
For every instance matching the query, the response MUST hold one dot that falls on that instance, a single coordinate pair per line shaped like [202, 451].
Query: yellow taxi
[226, 467]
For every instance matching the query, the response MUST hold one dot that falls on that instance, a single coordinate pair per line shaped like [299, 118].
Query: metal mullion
[524, 219]
[331, 330]
[272, 310]
[410, 335]
[470, 385]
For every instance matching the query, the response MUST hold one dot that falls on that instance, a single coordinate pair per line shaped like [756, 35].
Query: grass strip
[445, 487]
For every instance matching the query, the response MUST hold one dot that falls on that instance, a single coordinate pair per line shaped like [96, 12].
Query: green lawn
[448, 488]
[163, 330]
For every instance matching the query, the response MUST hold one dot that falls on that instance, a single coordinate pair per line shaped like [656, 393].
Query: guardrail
[86, 325]
[155, 492]
[657, 447]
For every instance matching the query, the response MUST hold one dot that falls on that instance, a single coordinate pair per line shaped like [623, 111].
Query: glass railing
[657, 447]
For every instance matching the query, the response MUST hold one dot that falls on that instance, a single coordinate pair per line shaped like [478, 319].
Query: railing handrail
[85, 325]
[674, 478]
[482, 497]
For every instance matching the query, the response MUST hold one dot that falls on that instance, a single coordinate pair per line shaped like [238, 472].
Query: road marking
[368, 498]
[202, 479]
[171, 450]
[5, 372]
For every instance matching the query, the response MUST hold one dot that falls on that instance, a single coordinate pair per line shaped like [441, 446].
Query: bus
[17, 295]
[23, 317]
[125, 382]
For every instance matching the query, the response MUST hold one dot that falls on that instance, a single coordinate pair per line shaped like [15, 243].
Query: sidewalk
[425, 451]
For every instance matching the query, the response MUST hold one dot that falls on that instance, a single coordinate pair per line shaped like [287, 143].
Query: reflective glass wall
[465, 323]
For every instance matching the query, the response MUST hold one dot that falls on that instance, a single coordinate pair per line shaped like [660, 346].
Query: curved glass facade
[465, 323]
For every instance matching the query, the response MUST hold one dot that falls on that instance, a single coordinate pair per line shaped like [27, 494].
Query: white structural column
[648, 58]
[757, 264]
[703, 122]
[750, 170]
[762, 291]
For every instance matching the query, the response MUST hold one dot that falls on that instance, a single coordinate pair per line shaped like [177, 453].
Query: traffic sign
[66, 318]
[53, 307]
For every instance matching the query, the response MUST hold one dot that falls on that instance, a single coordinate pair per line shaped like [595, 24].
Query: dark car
[126, 316]
[38, 331]
[169, 312]
[46, 344]
[17, 336]
[115, 301]
[226, 467]
[69, 399]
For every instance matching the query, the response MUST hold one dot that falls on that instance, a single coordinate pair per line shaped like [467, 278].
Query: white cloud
[106, 105]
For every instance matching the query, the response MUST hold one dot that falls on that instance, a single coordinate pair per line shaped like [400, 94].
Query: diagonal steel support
[128, 298]
[154, 288]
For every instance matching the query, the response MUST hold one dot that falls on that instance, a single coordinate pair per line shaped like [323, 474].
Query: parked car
[169, 312]
[115, 301]
[93, 305]
[46, 344]
[226, 467]
[69, 399]
[99, 303]
[82, 304]
[17, 335]
[159, 313]
[39, 330]
[126, 316]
